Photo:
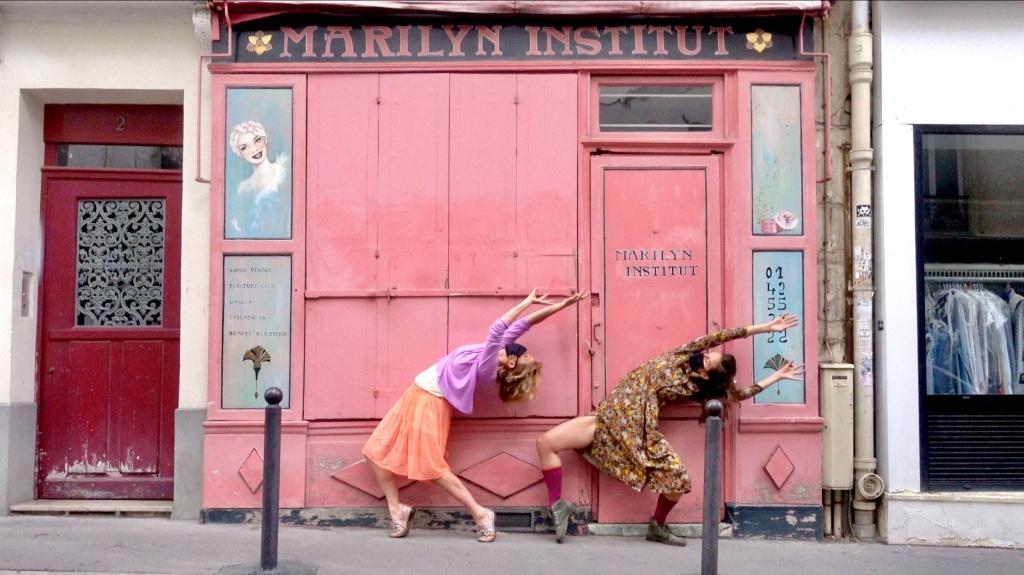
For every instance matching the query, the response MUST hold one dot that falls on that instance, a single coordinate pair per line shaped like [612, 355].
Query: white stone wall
[936, 63]
[93, 53]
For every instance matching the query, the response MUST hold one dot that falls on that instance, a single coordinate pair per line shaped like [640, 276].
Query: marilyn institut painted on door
[383, 192]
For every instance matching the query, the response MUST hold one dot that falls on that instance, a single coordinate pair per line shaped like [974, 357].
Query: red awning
[536, 7]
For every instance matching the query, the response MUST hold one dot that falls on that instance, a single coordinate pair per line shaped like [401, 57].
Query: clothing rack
[940, 276]
[985, 359]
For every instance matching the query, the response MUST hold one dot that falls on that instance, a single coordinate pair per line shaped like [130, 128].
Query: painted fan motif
[776, 362]
[257, 356]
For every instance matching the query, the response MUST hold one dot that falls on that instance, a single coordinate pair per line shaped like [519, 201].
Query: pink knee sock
[553, 479]
[664, 506]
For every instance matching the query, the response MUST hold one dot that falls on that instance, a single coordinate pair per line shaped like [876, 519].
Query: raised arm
[713, 340]
[788, 371]
[781, 323]
[511, 315]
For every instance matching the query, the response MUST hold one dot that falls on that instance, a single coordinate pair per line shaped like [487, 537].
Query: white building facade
[74, 54]
[949, 147]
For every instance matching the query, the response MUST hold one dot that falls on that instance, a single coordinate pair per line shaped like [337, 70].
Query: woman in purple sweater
[411, 438]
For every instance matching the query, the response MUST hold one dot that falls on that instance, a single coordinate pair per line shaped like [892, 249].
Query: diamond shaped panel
[360, 476]
[252, 470]
[779, 467]
[503, 475]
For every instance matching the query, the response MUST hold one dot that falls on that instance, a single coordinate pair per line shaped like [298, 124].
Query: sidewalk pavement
[31, 544]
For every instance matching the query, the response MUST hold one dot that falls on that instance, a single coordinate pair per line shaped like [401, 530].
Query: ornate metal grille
[120, 279]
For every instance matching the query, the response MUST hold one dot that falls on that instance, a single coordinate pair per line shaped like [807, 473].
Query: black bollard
[271, 478]
[271, 501]
[712, 486]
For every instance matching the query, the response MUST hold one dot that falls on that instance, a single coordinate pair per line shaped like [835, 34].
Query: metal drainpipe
[868, 486]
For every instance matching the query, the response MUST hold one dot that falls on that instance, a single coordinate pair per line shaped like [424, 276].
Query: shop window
[655, 108]
[971, 203]
[778, 289]
[776, 161]
[119, 157]
[970, 223]
[257, 164]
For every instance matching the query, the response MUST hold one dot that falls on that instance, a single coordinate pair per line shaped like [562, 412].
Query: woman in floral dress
[621, 437]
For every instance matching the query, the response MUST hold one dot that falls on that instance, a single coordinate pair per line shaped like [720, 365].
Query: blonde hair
[520, 382]
[248, 127]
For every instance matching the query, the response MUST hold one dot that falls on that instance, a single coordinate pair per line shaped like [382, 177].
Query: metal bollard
[712, 486]
[271, 479]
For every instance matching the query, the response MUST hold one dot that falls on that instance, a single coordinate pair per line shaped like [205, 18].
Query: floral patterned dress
[627, 444]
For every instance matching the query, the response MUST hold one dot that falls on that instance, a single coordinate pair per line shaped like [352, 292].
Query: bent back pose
[411, 438]
[621, 437]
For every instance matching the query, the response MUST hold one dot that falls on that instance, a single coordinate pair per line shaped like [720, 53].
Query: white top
[427, 381]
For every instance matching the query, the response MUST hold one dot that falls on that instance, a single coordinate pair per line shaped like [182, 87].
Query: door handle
[593, 332]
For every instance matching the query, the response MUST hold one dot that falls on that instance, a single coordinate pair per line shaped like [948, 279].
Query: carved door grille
[120, 274]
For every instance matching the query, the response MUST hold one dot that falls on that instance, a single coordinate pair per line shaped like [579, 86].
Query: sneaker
[660, 533]
[561, 511]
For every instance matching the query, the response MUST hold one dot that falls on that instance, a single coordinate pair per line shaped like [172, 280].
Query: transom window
[655, 108]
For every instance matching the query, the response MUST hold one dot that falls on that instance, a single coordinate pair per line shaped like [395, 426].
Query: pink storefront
[386, 184]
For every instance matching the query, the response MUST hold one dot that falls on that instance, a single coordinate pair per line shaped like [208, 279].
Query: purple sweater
[459, 372]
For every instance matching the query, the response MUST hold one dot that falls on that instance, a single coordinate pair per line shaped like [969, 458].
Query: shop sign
[295, 39]
[653, 263]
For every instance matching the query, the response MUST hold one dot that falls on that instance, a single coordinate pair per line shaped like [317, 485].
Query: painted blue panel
[778, 289]
[257, 330]
[776, 166]
[257, 170]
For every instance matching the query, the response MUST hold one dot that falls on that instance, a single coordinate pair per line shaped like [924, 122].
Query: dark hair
[718, 384]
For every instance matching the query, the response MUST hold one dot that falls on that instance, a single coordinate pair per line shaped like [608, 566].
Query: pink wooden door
[110, 329]
[656, 254]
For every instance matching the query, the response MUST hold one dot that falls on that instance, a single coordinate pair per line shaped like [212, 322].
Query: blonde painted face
[252, 147]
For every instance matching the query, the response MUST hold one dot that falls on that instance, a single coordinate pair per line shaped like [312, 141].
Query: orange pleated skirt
[411, 438]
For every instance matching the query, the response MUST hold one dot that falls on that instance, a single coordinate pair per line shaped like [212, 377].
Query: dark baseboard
[775, 521]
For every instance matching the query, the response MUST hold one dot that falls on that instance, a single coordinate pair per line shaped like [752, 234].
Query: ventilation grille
[514, 520]
[975, 452]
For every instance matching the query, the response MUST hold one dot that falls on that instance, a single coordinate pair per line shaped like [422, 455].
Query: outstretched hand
[553, 308]
[574, 298]
[533, 298]
[783, 322]
[790, 370]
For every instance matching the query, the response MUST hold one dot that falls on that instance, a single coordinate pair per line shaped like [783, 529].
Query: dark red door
[110, 328]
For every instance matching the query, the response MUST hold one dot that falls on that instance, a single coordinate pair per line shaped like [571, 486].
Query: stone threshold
[1014, 497]
[110, 507]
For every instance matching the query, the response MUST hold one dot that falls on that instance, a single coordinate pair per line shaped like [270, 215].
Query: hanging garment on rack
[998, 342]
[963, 313]
[1016, 305]
[941, 373]
[976, 326]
